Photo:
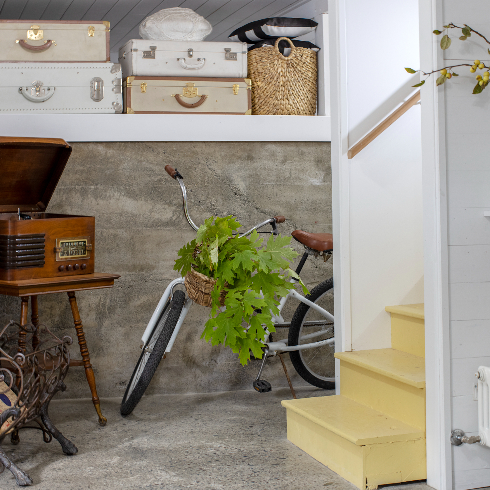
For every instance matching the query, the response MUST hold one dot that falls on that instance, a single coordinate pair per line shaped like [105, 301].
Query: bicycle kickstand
[261, 385]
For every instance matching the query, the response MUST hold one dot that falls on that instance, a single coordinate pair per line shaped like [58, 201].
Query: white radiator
[483, 376]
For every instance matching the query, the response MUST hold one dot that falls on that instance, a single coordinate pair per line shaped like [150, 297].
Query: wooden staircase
[373, 433]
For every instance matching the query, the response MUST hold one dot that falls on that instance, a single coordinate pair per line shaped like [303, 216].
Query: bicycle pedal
[262, 386]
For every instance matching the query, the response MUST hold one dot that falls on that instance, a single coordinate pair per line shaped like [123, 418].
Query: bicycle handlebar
[174, 173]
[171, 171]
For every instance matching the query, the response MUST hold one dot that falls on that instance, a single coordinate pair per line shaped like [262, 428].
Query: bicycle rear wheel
[315, 365]
[153, 353]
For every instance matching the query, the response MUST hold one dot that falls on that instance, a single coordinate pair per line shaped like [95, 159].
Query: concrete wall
[139, 228]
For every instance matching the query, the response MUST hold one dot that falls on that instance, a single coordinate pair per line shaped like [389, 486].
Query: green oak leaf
[244, 259]
[463, 38]
[436, 32]
[466, 31]
[186, 254]
[419, 84]
[410, 70]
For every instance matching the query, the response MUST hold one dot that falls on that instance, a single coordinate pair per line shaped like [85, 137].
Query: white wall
[378, 209]
[457, 236]
[468, 197]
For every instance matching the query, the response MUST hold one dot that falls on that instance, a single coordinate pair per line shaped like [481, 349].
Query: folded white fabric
[175, 24]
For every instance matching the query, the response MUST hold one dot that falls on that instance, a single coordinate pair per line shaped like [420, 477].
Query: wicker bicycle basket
[283, 85]
[199, 288]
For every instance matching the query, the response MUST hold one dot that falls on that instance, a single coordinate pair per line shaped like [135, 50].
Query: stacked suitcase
[181, 77]
[58, 67]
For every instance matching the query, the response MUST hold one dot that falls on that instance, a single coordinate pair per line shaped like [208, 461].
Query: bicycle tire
[317, 365]
[150, 359]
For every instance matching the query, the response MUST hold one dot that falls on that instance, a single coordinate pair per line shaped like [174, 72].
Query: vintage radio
[33, 243]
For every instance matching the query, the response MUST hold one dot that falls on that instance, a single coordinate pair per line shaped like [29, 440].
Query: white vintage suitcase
[60, 88]
[175, 95]
[183, 59]
[54, 40]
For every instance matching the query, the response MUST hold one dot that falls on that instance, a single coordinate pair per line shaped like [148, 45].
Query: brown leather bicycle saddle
[316, 241]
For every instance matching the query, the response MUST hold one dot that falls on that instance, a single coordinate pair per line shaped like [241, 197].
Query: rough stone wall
[139, 228]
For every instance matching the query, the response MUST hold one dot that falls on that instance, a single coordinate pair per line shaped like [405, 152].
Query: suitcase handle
[190, 106]
[197, 66]
[30, 47]
[37, 92]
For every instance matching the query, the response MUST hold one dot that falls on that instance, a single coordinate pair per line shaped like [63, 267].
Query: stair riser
[389, 396]
[408, 334]
[364, 466]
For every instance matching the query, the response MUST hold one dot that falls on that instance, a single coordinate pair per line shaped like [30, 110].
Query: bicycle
[311, 357]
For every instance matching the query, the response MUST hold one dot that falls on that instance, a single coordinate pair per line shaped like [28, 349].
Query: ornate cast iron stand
[33, 364]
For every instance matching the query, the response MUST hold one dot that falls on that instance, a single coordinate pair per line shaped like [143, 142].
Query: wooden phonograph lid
[30, 169]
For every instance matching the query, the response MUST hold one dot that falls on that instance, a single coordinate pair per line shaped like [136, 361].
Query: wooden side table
[32, 288]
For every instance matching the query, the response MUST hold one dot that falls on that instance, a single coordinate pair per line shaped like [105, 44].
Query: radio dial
[83, 266]
[61, 268]
[76, 267]
[69, 267]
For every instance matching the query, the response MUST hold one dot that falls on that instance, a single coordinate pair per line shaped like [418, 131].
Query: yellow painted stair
[373, 433]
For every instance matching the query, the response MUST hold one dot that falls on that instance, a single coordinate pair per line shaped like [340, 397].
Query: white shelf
[165, 127]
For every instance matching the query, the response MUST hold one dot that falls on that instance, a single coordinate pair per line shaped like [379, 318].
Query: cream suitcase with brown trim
[54, 41]
[178, 95]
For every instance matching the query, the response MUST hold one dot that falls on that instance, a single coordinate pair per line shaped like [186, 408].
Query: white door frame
[437, 347]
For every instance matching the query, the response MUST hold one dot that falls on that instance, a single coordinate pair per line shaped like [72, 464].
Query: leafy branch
[447, 72]
[254, 275]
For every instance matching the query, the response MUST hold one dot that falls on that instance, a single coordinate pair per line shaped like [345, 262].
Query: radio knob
[61, 268]
[76, 267]
[83, 266]
[69, 267]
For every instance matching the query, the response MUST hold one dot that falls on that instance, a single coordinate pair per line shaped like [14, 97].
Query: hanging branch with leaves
[448, 72]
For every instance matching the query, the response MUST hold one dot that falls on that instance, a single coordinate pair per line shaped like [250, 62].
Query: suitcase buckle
[229, 55]
[35, 34]
[190, 91]
[150, 54]
[96, 89]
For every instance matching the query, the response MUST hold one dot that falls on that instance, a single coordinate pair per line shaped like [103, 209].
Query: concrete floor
[219, 441]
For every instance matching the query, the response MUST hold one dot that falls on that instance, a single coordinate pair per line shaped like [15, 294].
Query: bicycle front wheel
[315, 365]
[153, 353]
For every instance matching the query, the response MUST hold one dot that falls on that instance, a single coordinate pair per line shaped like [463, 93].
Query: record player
[34, 243]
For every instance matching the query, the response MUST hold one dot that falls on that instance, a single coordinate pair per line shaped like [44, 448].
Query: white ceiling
[126, 15]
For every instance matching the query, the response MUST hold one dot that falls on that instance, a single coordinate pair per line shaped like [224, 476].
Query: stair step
[362, 445]
[387, 380]
[414, 311]
[408, 328]
[353, 421]
[392, 363]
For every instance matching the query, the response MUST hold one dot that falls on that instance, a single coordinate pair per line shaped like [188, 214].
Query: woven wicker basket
[199, 288]
[283, 85]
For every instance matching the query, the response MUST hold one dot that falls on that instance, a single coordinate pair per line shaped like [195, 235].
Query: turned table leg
[35, 322]
[24, 306]
[89, 372]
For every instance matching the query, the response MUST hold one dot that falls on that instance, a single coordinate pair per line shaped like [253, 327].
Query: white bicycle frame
[273, 347]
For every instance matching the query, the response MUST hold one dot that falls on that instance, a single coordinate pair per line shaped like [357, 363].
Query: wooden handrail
[386, 123]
